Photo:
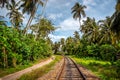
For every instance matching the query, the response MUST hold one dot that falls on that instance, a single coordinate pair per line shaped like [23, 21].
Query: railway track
[70, 71]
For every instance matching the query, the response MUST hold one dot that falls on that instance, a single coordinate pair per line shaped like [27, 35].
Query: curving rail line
[70, 71]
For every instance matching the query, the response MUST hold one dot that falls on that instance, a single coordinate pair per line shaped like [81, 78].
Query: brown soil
[16, 75]
[51, 75]
[88, 74]
[56, 69]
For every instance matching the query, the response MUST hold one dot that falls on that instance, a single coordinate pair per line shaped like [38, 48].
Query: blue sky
[59, 12]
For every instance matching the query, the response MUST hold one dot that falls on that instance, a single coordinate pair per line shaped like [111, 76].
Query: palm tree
[39, 19]
[43, 28]
[118, 5]
[17, 20]
[49, 41]
[105, 31]
[69, 45]
[56, 47]
[90, 30]
[78, 11]
[76, 41]
[62, 42]
[15, 16]
[115, 27]
[30, 7]
[76, 35]
[2, 22]
[3, 2]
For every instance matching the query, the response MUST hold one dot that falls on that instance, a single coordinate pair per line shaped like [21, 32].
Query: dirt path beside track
[17, 75]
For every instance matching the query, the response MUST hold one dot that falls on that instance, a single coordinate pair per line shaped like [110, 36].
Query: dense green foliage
[15, 48]
[19, 45]
[100, 39]
[118, 68]
[102, 52]
[107, 52]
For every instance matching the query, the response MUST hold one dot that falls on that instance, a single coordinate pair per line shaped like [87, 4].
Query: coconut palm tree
[2, 22]
[105, 30]
[90, 30]
[56, 47]
[30, 7]
[3, 2]
[76, 35]
[43, 28]
[118, 5]
[15, 16]
[78, 11]
[70, 45]
[62, 42]
[115, 27]
[76, 39]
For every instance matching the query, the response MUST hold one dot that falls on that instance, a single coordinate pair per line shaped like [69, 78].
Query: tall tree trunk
[29, 21]
[79, 22]
[14, 60]
[25, 30]
[40, 18]
[31, 18]
[5, 58]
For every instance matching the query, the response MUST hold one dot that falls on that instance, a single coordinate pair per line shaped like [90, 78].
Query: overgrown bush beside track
[15, 48]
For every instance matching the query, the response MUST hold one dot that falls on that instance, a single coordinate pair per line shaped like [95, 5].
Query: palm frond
[83, 13]
[40, 2]
[115, 27]
[13, 2]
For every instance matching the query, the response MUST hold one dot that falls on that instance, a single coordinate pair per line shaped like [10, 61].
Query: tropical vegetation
[100, 41]
[21, 44]
[16, 48]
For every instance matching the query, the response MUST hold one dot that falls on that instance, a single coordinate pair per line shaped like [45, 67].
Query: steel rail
[63, 65]
[84, 77]
[61, 70]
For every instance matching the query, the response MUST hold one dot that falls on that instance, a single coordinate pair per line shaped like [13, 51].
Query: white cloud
[69, 24]
[55, 16]
[3, 12]
[89, 2]
[58, 4]
[67, 4]
[56, 38]
[52, 3]
[68, 27]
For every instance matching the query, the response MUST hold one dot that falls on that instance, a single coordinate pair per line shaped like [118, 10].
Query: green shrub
[81, 51]
[107, 52]
[93, 50]
[118, 67]
[15, 48]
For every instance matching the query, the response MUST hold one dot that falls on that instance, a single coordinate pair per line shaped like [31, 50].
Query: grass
[7, 71]
[103, 69]
[40, 71]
